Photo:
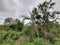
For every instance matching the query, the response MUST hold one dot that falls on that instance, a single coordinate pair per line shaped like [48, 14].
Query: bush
[57, 42]
[40, 41]
[9, 38]
[18, 26]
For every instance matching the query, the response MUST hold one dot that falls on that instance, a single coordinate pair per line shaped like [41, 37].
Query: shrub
[9, 38]
[40, 41]
[18, 26]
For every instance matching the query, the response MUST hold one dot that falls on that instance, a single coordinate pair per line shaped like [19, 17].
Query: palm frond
[25, 17]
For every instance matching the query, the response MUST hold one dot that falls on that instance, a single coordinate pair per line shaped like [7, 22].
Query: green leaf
[51, 7]
[52, 4]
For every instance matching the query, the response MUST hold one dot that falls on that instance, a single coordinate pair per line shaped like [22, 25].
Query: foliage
[9, 37]
[40, 41]
[58, 42]
[42, 30]
[13, 24]
[42, 16]
[17, 25]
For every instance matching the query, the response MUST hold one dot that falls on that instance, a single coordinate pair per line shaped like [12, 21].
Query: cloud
[14, 8]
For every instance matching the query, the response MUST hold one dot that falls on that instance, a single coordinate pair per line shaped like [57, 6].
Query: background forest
[43, 28]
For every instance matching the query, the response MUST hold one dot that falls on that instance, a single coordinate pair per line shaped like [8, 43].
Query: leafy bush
[40, 41]
[9, 37]
[10, 42]
[18, 26]
[25, 30]
[57, 42]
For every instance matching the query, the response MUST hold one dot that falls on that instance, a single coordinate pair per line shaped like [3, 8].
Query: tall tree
[44, 18]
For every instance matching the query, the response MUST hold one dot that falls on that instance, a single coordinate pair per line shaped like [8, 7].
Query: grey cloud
[1, 6]
[14, 8]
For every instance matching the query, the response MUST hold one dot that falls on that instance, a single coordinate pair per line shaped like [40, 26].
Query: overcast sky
[14, 8]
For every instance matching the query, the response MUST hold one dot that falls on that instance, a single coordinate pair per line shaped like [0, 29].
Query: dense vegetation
[42, 30]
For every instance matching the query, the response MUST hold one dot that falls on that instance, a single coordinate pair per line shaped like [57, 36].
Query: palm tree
[41, 16]
[33, 26]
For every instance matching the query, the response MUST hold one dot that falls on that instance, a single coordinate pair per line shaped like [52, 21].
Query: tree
[44, 18]
[32, 27]
[8, 21]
